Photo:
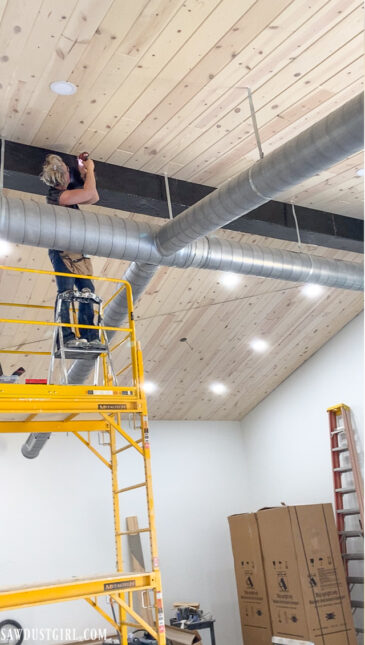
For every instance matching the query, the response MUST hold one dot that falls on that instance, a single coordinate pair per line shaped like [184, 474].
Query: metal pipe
[30, 222]
[138, 275]
[337, 136]
[334, 138]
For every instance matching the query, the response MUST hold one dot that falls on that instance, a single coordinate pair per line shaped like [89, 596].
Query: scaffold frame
[105, 407]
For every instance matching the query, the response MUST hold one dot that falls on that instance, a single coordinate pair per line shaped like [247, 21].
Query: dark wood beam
[142, 192]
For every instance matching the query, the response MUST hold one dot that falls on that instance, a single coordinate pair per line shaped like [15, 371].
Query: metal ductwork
[332, 139]
[138, 275]
[337, 136]
[57, 227]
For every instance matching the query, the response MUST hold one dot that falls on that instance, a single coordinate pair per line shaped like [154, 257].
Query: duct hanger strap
[332, 139]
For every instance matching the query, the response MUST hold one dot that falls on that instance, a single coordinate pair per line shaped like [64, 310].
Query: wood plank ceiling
[217, 323]
[162, 86]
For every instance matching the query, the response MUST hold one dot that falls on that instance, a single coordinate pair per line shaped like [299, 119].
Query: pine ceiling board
[313, 65]
[66, 52]
[169, 311]
[48, 26]
[249, 66]
[15, 27]
[204, 23]
[198, 79]
[323, 189]
[229, 166]
[108, 37]
[142, 64]
[149, 26]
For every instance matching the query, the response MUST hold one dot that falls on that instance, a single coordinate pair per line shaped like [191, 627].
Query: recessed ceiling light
[218, 388]
[149, 387]
[259, 345]
[63, 87]
[230, 280]
[312, 290]
[5, 247]
[360, 172]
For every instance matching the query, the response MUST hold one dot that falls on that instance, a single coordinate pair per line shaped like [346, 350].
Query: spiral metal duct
[337, 136]
[57, 227]
[334, 138]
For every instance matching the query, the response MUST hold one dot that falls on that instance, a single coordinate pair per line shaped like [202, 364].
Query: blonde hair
[53, 172]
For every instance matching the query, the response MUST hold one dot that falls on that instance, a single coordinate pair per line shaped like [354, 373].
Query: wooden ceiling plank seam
[245, 150]
[241, 149]
[35, 52]
[67, 51]
[206, 27]
[283, 136]
[157, 51]
[89, 69]
[291, 87]
[104, 80]
[326, 187]
[276, 40]
[259, 383]
[16, 24]
[194, 82]
[262, 71]
[269, 384]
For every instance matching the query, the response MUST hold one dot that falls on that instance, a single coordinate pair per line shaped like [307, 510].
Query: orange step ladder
[349, 499]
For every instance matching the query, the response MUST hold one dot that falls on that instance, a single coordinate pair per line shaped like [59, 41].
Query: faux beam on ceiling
[136, 191]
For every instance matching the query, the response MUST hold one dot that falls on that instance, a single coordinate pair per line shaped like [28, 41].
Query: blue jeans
[86, 311]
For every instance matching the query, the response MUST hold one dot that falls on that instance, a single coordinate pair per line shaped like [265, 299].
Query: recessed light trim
[218, 388]
[312, 290]
[360, 172]
[5, 248]
[64, 88]
[230, 280]
[150, 387]
[259, 345]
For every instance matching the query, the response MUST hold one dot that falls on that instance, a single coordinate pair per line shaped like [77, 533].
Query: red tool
[84, 156]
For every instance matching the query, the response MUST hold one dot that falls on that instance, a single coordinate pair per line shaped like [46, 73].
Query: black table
[199, 624]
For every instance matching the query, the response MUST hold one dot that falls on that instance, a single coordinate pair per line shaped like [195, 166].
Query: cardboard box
[305, 576]
[179, 636]
[250, 580]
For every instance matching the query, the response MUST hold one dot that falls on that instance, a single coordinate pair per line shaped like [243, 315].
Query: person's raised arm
[86, 195]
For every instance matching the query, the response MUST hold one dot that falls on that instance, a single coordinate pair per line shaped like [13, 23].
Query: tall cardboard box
[305, 575]
[250, 580]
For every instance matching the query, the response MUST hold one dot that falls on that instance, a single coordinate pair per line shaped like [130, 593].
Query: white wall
[57, 519]
[286, 437]
[56, 512]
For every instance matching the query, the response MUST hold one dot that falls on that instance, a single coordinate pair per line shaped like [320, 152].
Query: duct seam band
[255, 190]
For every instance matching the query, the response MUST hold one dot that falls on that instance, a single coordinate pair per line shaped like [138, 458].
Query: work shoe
[76, 343]
[96, 344]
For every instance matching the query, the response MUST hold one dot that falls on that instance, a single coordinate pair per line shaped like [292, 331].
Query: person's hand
[89, 165]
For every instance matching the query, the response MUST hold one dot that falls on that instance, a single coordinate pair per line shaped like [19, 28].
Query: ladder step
[350, 534]
[348, 511]
[353, 556]
[340, 449]
[134, 531]
[357, 604]
[343, 469]
[124, 490]
[355, 580]
[337, 431]
[83, 354]
[345, 491]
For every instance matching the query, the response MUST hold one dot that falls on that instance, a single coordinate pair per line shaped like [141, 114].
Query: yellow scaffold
[105, 408]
